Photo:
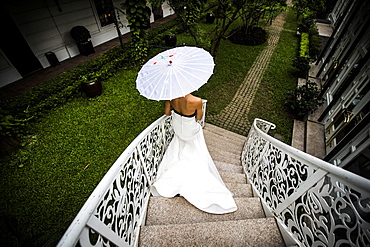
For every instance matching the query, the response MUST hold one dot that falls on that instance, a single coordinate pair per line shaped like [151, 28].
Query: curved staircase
[175, 222]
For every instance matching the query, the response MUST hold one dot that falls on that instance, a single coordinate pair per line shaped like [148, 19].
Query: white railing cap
[356, 180]
[72, 234]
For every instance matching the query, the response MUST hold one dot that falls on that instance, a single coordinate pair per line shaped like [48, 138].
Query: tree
[250, 33]
[138, 16]
[228, 11]
[189, 12]
[308, 8]
[116, 20]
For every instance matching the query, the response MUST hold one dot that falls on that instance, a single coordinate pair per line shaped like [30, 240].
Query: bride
[187, 168]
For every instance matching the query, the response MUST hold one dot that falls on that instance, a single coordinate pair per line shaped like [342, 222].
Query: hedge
[304, 45]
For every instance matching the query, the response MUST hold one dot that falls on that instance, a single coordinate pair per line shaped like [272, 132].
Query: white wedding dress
[188, 169]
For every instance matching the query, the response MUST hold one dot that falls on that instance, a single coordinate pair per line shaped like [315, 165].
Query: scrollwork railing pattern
[317, 203]
[120, 208]
[114, 212]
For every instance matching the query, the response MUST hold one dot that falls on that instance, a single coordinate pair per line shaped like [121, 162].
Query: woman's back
[187, 105]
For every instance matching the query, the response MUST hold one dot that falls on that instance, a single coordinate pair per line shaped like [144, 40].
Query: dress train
[188, 169]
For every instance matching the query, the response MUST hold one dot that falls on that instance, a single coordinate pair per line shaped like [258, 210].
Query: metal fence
[315, 203]
[116, 209]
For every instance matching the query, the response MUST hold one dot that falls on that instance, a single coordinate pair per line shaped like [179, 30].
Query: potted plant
[91, 84]
[304, 99]
[81, 36]
[170, 38]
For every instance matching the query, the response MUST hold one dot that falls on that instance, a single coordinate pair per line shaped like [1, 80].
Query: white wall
[8, 73]
[45, 28]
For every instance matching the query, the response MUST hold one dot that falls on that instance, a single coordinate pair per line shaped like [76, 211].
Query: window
[105, 11]
[361, 164]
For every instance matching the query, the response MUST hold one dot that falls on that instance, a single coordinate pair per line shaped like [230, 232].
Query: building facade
[344, 71]
[33, 28]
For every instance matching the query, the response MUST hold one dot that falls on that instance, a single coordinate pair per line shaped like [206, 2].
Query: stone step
[226, 167]
[225, 133]
[223, 143]
[215, 140]
[223, 146]
[232, 177]
[240, 190]
[226, 158]
[248, 232]
[177, 210]
[225, 153]
[308, 136]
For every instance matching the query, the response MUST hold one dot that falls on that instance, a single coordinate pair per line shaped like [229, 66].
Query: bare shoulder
[195, 99]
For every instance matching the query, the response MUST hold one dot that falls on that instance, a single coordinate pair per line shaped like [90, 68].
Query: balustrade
[116, 209]
[315, 202]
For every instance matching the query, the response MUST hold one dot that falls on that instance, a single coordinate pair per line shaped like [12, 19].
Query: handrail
[315, 202]
[110, 214]
[117, 207]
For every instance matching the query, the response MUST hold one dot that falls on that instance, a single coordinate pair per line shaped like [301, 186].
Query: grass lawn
[231, 66]
[72, 148]
[268, 103]
[45, 184]
[278, 79]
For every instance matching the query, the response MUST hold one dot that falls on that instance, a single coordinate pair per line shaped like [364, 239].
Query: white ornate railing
[116, 209]
[315, 202]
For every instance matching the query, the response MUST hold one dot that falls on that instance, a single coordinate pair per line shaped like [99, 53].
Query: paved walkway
[235, 116]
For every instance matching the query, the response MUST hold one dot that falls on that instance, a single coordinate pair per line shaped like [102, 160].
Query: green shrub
[315, 43]
[302, 65]
[306, 24]
[304, 45]
[304, 99]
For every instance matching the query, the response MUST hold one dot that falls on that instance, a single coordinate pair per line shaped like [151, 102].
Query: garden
[57, 143]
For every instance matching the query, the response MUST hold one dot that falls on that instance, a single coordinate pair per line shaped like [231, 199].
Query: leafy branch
[138, 16]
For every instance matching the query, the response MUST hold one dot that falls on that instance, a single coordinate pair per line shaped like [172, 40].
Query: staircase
[175, 222]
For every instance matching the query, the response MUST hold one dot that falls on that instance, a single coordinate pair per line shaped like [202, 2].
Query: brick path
[235, 116]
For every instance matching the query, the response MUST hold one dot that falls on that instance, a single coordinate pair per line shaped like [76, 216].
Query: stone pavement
[235, 116]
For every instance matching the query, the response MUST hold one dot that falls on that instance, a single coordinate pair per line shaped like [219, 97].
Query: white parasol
[175, 73]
